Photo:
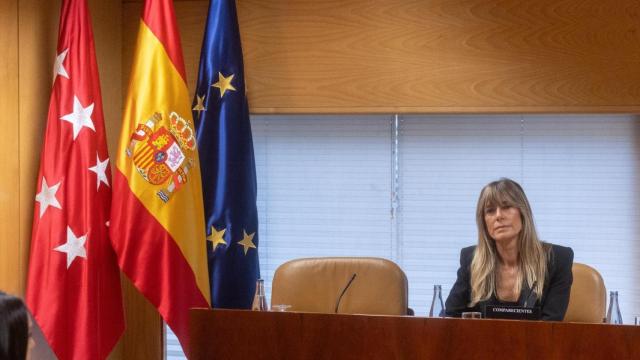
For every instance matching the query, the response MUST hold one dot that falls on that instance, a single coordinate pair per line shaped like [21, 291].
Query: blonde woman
[510, 265]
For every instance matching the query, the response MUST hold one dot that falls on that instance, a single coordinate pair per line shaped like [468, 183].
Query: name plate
[511, 312]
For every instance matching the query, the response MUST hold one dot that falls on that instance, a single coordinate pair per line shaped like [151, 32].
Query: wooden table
[239, 334]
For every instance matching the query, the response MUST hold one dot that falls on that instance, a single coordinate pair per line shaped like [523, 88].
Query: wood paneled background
[332, 56]
[12, 247]
[443, 56]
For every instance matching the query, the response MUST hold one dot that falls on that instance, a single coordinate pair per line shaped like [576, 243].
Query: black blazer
[555, 295]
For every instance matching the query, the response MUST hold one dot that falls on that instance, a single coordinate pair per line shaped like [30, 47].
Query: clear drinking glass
[437, 306]
[613, 314]
[259, 298]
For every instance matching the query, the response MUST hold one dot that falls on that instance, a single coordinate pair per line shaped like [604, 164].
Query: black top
[555, 295]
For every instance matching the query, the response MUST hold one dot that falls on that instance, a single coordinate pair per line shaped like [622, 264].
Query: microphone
[344, 290]
[531, 296]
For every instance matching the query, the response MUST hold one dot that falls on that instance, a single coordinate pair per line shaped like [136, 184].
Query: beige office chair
[588, 296]
[316, 285]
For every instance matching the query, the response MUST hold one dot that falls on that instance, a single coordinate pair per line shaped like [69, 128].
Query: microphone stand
[343, 291]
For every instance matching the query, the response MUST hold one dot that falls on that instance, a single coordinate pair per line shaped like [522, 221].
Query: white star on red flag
[58, 67]
[100, 169]
[74, 247]
[47, 196]
[80, 117]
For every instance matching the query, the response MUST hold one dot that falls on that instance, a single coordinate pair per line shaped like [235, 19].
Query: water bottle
[259, 299]
[437, 306]
[613, 314]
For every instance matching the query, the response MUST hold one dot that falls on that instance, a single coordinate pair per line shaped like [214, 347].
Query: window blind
[581, 174]
[444, 162]
[323, 187]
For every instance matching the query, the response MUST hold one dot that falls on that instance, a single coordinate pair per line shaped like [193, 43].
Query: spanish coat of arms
[163, 156]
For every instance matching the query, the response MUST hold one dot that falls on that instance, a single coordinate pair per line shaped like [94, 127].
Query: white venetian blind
[325, 188]
[444, 162]
[324, 185]
[581, 174]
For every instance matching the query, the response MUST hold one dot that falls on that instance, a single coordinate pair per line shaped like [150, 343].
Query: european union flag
[227, 162]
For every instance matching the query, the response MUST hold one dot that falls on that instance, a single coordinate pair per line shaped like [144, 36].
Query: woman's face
[503, 223]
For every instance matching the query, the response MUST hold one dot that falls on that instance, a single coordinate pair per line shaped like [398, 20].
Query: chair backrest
[588, 296]
[315, 284]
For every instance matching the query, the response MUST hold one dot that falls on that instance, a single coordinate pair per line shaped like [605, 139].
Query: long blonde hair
[532, 253]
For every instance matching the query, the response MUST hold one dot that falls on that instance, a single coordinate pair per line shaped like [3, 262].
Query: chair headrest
[314, 284]
[588, 299]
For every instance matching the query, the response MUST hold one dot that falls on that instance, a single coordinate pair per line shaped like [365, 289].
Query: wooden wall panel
[143, 337]
[433, 56]
[38, 29]
[37, 46]
[107, 30]
[131, 13]
[11, 247]
[442, 55]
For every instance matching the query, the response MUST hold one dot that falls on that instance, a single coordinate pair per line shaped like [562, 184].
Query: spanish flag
[157, 219]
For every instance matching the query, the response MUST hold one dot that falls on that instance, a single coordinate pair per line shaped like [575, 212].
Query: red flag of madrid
[73, 286]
